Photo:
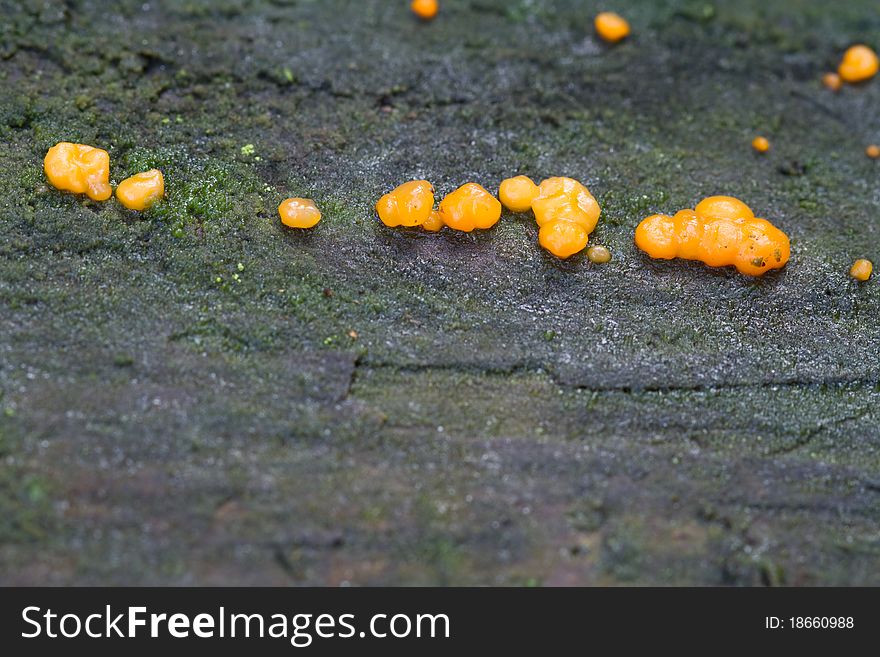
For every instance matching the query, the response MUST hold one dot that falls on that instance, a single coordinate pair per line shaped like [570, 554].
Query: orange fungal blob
[299, 213]
[469, 207]
[563, 238]
[832, 81]
[434, 222]
[409, 205]
[873, 151]
[861, 269]
[142, 190]
[720, 231]
[425, 9]
[567, 213]
[859, 63]
[598, 255]
[761, 144]
[80, 169]
[611, 27]
[516, 194]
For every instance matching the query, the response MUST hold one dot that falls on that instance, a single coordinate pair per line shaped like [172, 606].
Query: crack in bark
[811, 435]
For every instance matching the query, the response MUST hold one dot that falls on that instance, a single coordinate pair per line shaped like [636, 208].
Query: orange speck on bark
[299, 213]
[142, 190]
[425, 9]
[611, 27]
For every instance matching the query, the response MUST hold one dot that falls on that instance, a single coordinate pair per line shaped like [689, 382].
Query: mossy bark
[198, 395]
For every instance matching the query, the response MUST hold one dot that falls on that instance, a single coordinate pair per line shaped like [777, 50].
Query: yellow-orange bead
[861, 269]
[859, 63]
[598, 255]
[516, 194]
[832, 81]
[469, 207]
[434, 222]
[142, 190]
[761, 144]
[611, 27]
[410, 204]
[425, 9]
[873, 151]
[721, 231]
[299, 213]
[80, 169]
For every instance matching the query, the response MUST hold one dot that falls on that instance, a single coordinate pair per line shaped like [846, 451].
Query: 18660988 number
[821, 622]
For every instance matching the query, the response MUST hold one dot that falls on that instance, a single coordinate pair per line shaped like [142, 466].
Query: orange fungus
[761, 144]
[469, 207]
[434, 222]
[80, 169]
[720, 231]
[425, 9]
[516, 194]
[142, 190]
[299, 213]
[410, 204]
[611, 27]
[859, 63]
[832, 81]
[567, 213]
[861, 269]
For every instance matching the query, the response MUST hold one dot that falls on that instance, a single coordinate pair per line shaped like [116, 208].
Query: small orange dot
[761, 144]
[832, 81]
[299, 213]
[861, 269]
[873, 151]
[611, 27]
[425, 9]
[434, 222]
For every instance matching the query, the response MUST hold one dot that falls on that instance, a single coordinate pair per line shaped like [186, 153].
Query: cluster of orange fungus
[873, 151]
[425, 9]
[720, 231]
[859, 63]
[409, 205]
[611, 27]
[299, 213]
[469, 207]
[567, 213]
[80, 169]
[761, 144]
[516, 194]
[142, 190]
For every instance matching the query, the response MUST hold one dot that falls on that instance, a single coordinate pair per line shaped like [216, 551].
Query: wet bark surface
[197, 395]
